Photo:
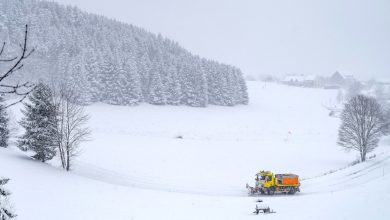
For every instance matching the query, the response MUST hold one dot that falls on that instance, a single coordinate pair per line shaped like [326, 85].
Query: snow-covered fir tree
[39, 123]
[157, 90]
[4, 124]
[6, 211]
[116, 63]
[174, 92]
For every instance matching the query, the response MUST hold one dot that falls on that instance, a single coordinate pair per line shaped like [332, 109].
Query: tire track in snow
[340, 181]
[112, 177]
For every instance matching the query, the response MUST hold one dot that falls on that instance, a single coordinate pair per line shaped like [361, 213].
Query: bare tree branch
[22, 90]
[2, 49]
[1, 52]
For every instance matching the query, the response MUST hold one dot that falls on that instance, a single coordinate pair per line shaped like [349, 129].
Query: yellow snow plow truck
[269, 183]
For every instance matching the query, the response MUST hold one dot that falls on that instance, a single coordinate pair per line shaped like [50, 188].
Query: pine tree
[243, 89]
[38, 122]
[6, 212]
[174, 94]
[92, 66]
[144, 69]
[132, 90]
[229, 91]
[107, 84]
[157, 95]
[4, 120]
[77, 79]
[194, 84]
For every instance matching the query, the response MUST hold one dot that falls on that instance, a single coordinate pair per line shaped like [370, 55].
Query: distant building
[336, 80]
[300, 80]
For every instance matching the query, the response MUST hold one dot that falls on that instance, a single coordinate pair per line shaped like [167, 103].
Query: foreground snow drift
[43, 192]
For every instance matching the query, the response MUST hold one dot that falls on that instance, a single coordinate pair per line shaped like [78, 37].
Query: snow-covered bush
[6, 210]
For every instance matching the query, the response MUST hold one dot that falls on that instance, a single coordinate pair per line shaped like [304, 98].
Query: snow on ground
[284, 129]
[135, 168]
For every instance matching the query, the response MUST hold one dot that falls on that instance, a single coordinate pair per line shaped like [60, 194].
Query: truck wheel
[292, 191]
[271, 191]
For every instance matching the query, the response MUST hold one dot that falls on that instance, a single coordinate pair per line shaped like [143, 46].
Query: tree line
[108, 61]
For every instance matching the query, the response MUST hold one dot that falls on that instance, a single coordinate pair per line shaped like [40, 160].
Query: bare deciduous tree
[15, 63]
[70, 126]
[362, 125]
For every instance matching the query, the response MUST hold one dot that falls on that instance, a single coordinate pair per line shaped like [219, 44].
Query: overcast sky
[268, 36]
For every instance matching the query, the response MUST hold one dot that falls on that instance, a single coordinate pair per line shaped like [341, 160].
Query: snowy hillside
[112, 62]
[154, 162]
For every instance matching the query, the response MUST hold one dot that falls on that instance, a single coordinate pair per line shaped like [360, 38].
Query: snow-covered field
[136, 167]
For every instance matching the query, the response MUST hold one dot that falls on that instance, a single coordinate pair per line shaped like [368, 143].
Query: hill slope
[112, 62]
[136, 168]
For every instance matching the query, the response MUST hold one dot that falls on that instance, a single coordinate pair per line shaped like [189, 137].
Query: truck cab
[269, 183]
